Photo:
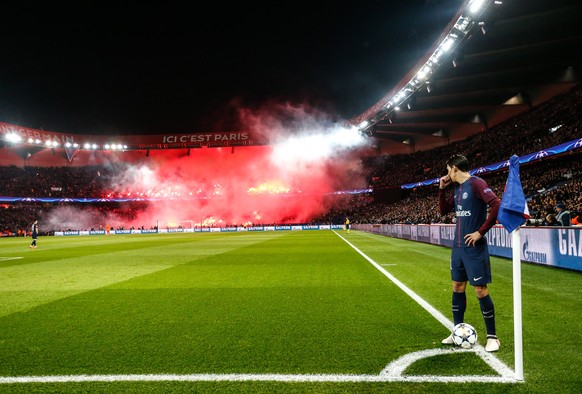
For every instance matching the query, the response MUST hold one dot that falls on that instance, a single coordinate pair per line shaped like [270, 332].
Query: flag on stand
[513, 211]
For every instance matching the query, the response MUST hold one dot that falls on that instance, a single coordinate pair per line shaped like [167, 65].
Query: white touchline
[393, 372]
[500, 367]
[9, 258]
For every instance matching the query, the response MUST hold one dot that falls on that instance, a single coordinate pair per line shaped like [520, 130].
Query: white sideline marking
[393, 372]
[9, 258]
[500, 367]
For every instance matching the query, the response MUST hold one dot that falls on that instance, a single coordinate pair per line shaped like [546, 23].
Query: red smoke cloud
[309, 156]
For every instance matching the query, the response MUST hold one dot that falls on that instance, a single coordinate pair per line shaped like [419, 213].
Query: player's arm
[446, 202]
[484, 192]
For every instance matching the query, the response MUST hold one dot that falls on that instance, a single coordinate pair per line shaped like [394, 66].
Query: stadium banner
[556, 246]
[205, 229]
[158, 141]
[531, 157]
[422, 233]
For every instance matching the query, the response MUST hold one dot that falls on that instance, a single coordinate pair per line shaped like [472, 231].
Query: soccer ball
[464, 335]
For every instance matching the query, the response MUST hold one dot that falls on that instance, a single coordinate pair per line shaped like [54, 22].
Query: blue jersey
[475, 206]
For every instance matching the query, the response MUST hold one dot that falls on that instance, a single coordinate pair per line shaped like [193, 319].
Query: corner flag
[513, 211]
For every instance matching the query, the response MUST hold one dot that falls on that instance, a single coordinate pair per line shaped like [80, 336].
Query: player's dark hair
[458, 161]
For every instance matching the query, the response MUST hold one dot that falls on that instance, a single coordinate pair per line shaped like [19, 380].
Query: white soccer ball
[464, 335]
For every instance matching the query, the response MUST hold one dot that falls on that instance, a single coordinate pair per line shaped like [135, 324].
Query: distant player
[34, 234]
[347, 224]
[472, 199]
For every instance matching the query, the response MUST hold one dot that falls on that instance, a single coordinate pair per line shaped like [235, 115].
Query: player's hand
[471, 239]
[444, 181]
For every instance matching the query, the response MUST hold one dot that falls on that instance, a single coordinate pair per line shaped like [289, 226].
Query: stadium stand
[537, 106]
[546, 181]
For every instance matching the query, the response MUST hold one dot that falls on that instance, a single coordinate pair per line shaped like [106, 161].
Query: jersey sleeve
[482, 190]
[446, 203]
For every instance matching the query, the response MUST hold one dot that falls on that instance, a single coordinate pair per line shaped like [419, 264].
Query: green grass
[300, 302]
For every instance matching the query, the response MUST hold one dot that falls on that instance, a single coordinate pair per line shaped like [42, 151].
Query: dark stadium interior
[524, 53]
[514, 88]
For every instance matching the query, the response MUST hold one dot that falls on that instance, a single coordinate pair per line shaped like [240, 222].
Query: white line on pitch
[500, 367]
[393, 372]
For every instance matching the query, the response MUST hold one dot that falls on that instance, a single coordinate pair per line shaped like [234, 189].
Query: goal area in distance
[175, 224]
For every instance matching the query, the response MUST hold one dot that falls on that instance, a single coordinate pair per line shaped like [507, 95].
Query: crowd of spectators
[546, 182]
[552, 123]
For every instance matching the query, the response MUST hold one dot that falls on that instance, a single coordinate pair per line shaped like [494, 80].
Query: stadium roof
[514, 55]
[517, 55]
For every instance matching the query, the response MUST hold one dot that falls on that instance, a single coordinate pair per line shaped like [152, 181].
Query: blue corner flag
[513, 211]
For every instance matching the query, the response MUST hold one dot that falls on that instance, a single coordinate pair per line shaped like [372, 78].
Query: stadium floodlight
[87, 145]
[448, 43]
[422, 74]
[14, 138]
[106, 146]
[94, 146]
[475, 6]
[454, 38]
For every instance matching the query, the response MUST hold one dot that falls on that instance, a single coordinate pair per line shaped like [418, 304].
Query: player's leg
[459, 297]
[479, 277]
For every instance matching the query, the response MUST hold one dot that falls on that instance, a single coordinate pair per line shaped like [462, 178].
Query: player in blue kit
[34, 231]
[476, 207]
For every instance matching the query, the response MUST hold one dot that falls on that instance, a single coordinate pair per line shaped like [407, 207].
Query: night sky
[185, 67]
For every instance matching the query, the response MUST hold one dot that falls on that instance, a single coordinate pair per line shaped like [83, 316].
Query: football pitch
[279, 311]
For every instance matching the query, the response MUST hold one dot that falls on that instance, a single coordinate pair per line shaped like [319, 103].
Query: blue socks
[488, 311]
[459, 307]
